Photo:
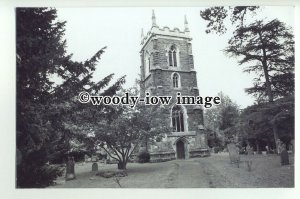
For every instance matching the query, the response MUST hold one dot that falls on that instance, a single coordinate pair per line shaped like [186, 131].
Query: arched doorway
[180, 150]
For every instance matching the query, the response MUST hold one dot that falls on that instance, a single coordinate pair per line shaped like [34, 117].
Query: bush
[216, 149]
[61, 157]
[243, 151]
[36, 176]
[143, 157]
[34, 172]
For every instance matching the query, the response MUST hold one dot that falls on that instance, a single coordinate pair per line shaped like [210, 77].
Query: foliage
[268, 48]
[214, 139]
[126, 129]
[222, 117]
[33, 173]
[39, 176]
[259, 121]
[48, 82]
[143, 157]
[216, 17]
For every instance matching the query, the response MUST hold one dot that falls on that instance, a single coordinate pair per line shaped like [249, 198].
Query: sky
[90, 29]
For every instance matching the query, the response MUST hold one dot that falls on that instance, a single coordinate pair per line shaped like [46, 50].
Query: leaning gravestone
[95, 166]
[70, 170]
[284, 157]
[233, 153]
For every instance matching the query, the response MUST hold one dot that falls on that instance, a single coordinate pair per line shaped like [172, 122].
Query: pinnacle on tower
[186, 25]
[154, 19]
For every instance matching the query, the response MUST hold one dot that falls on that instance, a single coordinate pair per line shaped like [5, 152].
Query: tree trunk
[269, 147]
[146, 144]
[257, 146]
[268, 84]
[266, 72]
[122, 165]
[275, 132]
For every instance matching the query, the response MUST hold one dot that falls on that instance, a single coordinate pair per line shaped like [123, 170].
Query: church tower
[167, 67]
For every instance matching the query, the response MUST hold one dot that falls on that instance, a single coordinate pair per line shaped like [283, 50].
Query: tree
[267, 122]
[45, 108]
[222, 117]
[280, 81]
[269, 48]
[216, 17]
[266, 47]
[126, 129]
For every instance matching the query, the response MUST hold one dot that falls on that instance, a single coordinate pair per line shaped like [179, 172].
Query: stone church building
[167, 67]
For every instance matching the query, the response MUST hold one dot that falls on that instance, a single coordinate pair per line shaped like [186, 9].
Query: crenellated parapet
[165, 31]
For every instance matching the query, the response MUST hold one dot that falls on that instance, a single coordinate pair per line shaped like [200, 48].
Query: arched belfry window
[175, 80]
[172, 56]
[177, 119]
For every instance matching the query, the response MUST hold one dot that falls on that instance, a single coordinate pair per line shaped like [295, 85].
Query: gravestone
[86, 158]
[95, 166]
[233, 153]
[94, 158]
[249, 150]
[70, 169]
[284, 157]
[278, 146]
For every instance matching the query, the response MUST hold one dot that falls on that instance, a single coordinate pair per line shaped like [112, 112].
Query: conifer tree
[216, 17]
[45, 108]
[268, 49]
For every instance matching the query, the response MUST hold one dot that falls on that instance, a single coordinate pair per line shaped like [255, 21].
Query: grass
[215, 171]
